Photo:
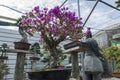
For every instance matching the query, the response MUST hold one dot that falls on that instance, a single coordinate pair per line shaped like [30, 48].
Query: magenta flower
[55, 22]
[54, 26]
[36, 9]
[88, 31]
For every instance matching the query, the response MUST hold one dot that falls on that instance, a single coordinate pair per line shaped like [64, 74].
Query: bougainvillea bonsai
[54, 26]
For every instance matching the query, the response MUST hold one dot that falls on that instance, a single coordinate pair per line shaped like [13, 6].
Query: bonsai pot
[74, 44]
[50, 75]
[116, 74]
[21, 45]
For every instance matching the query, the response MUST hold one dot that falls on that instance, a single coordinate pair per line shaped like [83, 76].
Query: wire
[91, 12]
[63, 3]
[109, 5]
[12, 9]
[107, 21]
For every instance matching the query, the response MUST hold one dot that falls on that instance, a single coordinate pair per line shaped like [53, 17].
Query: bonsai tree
[23, 32]
[35, 49]
[3, 48]
[54, 26]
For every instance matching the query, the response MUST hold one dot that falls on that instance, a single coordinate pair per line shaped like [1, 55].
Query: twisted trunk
[54, 57]
[23, 34]
[53, 43]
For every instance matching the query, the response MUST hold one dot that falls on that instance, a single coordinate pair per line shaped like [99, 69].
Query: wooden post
[75, 65]
[19, 68]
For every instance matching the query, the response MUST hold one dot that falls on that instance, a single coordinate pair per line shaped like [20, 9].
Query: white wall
[10, 36]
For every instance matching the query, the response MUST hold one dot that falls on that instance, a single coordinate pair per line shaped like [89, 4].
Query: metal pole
[12, 9]
[91, 12]
[78, 8]
[109, 5]
[82, 55]
[3, 17]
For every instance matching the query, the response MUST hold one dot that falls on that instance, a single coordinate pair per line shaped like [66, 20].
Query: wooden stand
[19, 67]
[75, 66]
[74, 55]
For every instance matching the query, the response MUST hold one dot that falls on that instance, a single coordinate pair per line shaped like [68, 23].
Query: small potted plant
[23, 43]
[3, 48]
[35, 49]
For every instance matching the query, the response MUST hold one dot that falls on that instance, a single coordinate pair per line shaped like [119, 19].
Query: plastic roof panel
[101, 15]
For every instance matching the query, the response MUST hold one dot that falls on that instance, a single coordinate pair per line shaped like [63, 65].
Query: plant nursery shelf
[18, 51]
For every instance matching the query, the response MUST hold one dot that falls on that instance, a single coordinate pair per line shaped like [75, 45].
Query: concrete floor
[113, 78]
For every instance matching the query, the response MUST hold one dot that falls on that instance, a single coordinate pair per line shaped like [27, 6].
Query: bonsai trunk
[54, 61]
[52, 44]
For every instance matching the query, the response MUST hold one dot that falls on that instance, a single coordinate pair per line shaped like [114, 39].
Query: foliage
[4, 70]
[35, 48]
[54, 26]
[117, 3]
[3, 48]
[46, 56]
[112, 52]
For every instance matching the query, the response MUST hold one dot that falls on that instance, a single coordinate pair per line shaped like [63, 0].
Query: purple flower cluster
[56, 21]
[88, 31]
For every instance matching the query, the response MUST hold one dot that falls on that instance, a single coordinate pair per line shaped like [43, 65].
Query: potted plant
[23, 43]
[23, 46]
[35, 49]
[50, 73]
[112, 53]
[54, 26]
[3, 48]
